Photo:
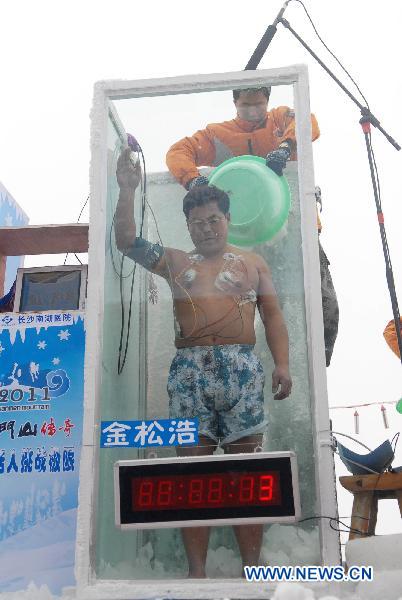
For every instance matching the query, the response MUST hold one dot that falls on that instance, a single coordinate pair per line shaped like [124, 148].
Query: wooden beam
[43, 239]
[363, 483]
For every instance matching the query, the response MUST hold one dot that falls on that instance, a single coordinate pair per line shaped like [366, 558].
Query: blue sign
[142, 434]
[41, 411]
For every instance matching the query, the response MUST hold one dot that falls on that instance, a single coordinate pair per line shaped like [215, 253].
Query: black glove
[317, 193]
[200, 180]
[277, 159]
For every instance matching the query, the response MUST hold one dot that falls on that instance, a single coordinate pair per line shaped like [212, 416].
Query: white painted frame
[88, 586]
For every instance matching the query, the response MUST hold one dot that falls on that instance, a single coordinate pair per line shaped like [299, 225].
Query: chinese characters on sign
[28, 429]
[53, 461]
[141, 434]
[10, 319]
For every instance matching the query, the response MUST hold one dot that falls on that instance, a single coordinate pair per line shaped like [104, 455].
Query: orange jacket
[390, 336]
[220, 141]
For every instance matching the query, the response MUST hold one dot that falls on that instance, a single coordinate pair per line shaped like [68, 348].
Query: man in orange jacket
[254, 131]
[269, 134]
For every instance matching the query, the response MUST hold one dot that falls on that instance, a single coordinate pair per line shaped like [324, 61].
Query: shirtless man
[215, 374]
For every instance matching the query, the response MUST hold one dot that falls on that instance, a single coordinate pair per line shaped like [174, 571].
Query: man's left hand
[281, 377]
[128, 175]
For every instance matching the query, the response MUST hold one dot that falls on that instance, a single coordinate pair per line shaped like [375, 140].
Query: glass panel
[139, 392]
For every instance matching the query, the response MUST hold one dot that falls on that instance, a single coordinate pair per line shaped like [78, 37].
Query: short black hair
[200, 195]
[265, 90]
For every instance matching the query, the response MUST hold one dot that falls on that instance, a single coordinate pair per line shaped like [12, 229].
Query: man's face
[251, 106]
[208, 228]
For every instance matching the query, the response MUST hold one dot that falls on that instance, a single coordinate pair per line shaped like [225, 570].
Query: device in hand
[135, 149]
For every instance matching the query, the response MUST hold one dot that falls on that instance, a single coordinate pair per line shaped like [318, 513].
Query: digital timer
[207, 490]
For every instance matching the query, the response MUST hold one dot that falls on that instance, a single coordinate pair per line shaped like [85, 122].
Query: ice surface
[376, 551]
[292, 591]
[386, 586]
[290, 545]
[145, 566]
[223, 562]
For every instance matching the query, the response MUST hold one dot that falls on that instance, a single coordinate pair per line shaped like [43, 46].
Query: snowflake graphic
[56, 361]
[64, 334]
[1, 348]
[42, 345]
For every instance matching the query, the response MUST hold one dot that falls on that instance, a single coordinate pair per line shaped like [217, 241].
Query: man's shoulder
[247, 255]
[282, 111]
[224, 125]
[179, 256]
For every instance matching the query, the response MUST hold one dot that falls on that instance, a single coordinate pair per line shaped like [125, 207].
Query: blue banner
[41, 412]
[143, 434]
[11, 215]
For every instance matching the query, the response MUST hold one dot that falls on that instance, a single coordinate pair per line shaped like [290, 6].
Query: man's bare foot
[196, 574]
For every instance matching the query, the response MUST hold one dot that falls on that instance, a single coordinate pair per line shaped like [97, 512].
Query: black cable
[121, 361]
[217, 333]
[367, 117]
[82, 209]
[351, 438]
[380, 217]
[78, 220]
[337, 520]
[333, 55]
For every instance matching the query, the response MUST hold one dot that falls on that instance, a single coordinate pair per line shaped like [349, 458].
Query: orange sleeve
[285, 120]
[390, 336]
[186, 155]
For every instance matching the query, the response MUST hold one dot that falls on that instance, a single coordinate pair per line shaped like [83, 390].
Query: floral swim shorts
[220, 385]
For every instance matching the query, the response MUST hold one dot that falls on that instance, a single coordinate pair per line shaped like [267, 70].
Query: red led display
[258, 488]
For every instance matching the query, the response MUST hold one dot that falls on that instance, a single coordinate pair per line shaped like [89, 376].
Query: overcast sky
[53, 53]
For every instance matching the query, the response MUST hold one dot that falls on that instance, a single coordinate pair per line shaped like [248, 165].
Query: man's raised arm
[128, 178]
[153, 257]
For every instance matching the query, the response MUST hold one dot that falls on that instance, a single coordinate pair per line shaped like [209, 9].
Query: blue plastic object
[375, 461]
[259, 199]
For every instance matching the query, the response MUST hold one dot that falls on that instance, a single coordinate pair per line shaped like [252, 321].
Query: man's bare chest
[229, 275]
